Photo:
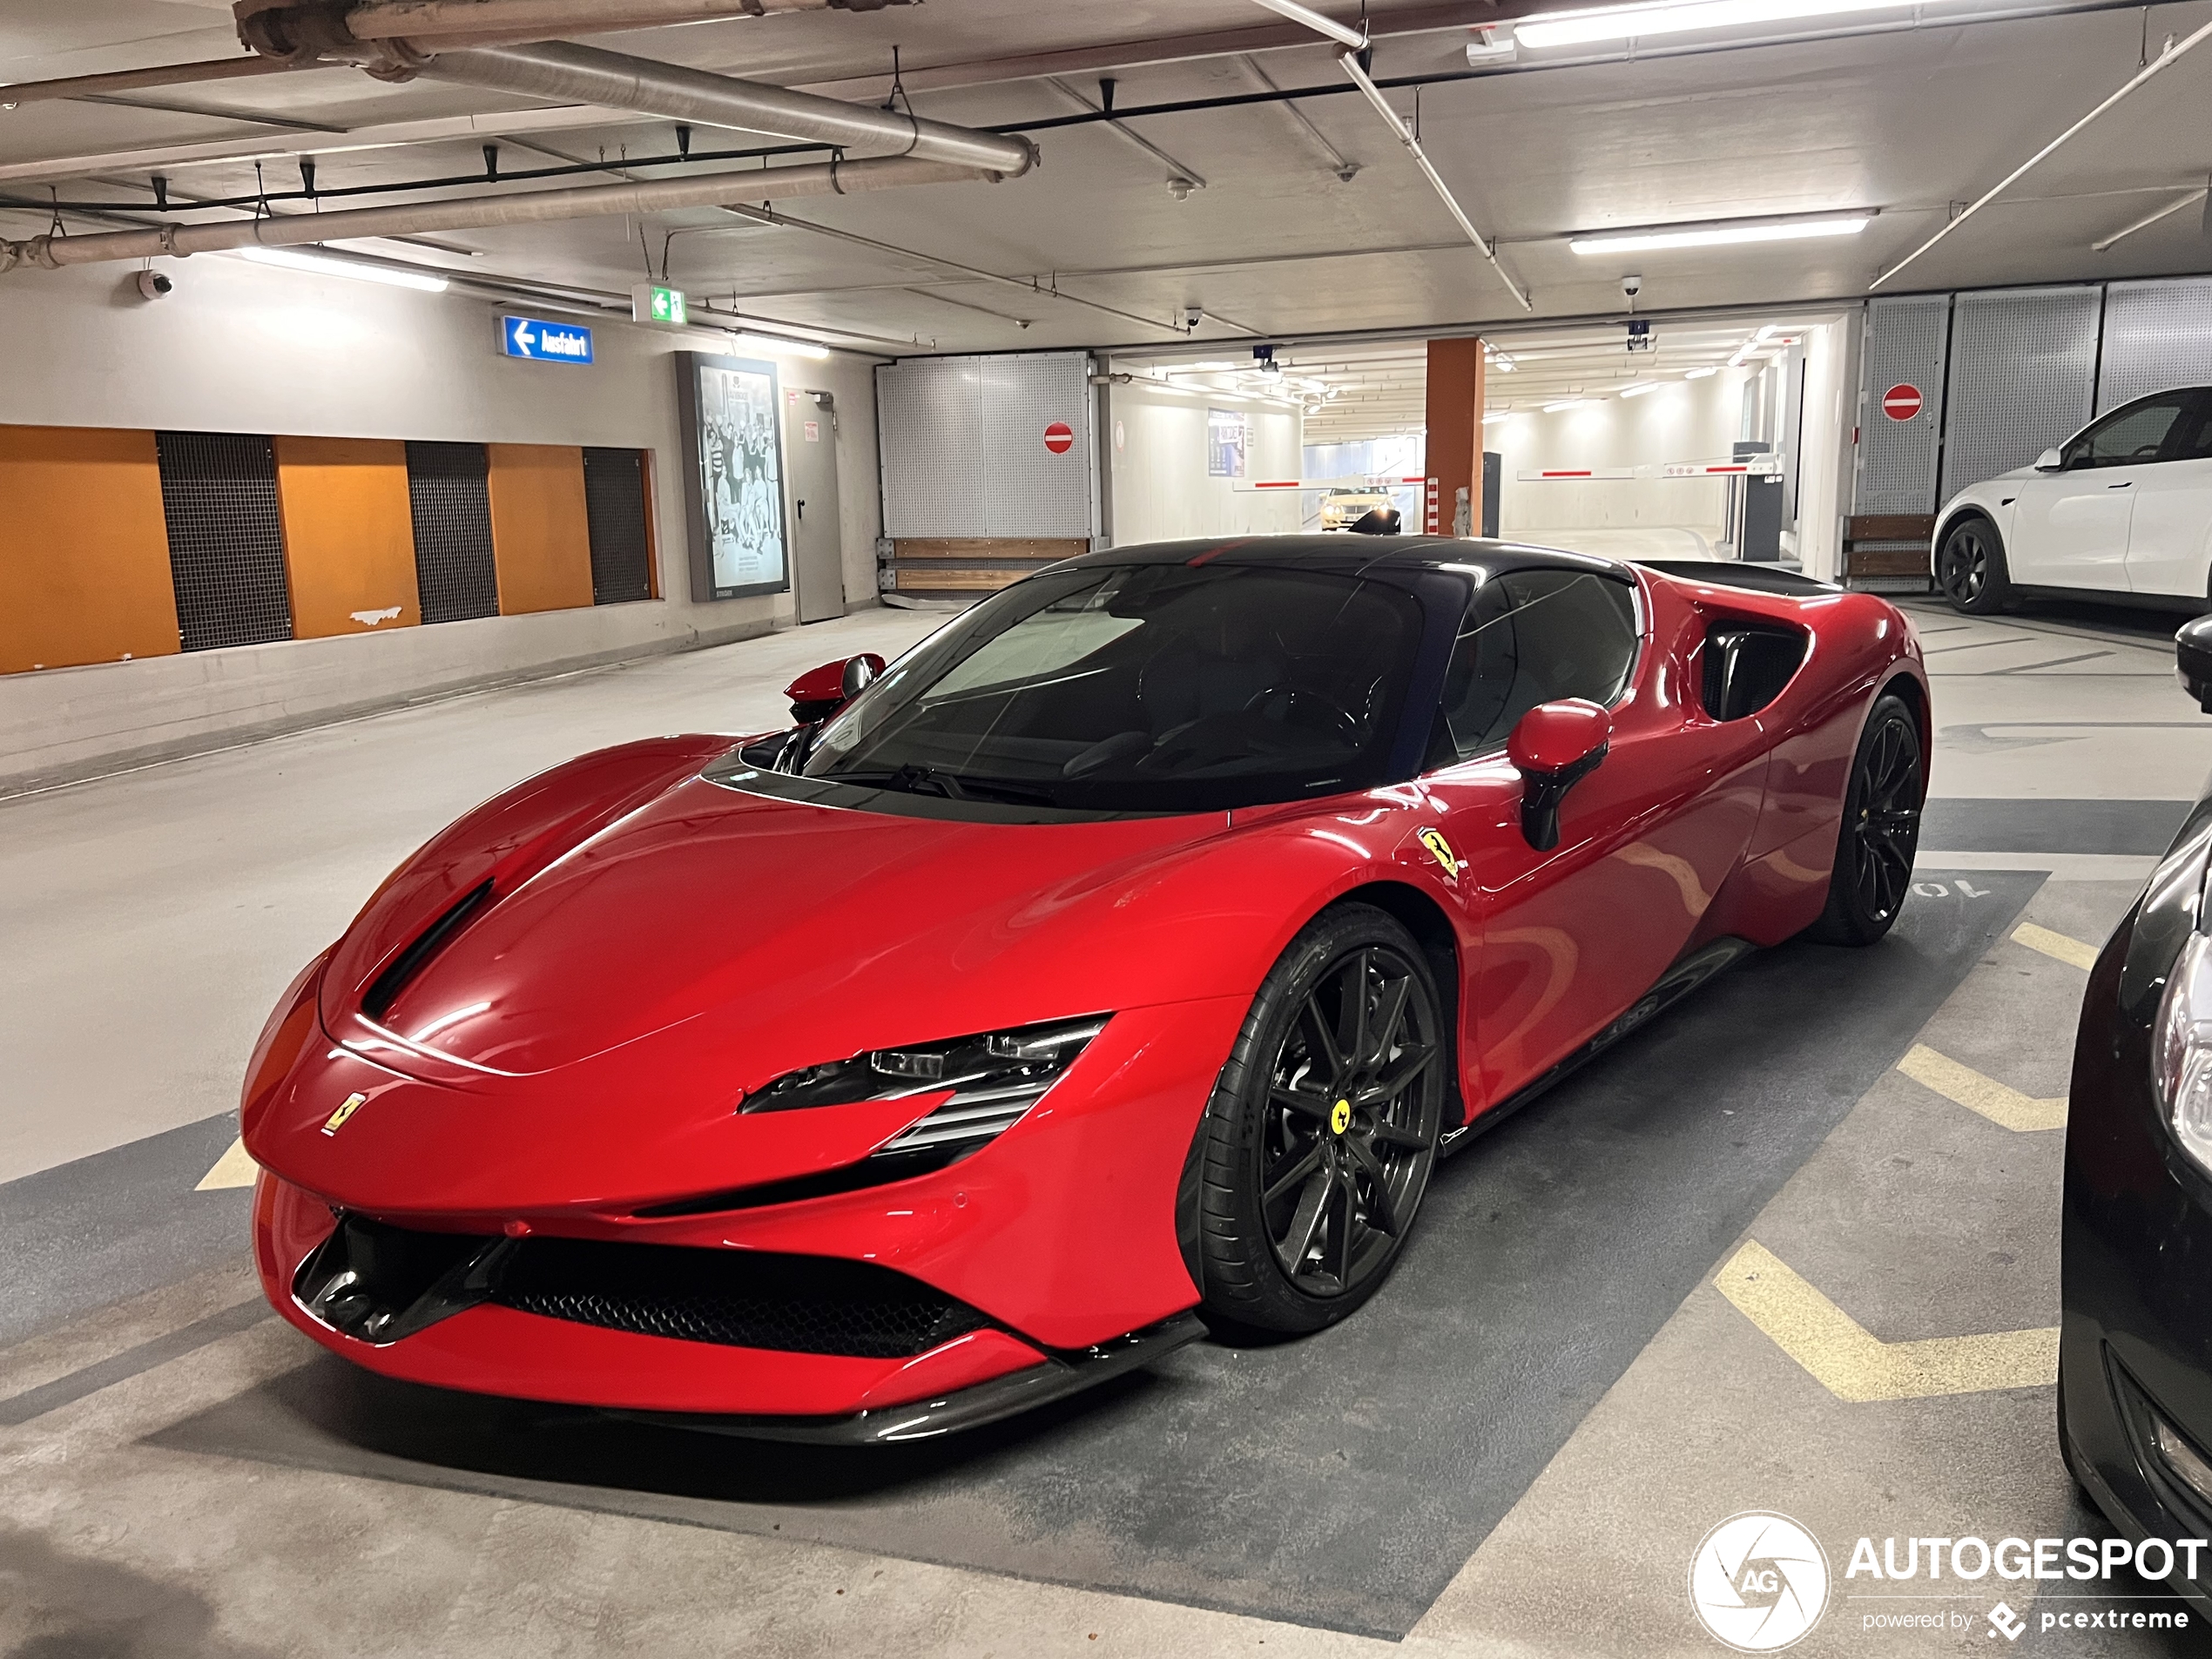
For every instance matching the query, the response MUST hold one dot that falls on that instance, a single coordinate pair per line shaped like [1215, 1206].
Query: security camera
[1631, 286]
[1193, 315]
[153, 284]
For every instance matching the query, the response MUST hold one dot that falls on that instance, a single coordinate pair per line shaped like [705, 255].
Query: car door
[1572, 936]
[2169, 537]
[2071, 528]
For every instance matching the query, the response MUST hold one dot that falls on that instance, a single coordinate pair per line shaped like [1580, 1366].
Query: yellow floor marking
[1854, 1364]
[2066, 949]
[2007, 1107]
[234, 1169]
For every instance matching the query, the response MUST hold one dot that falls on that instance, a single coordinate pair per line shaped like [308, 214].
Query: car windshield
[1142, 688]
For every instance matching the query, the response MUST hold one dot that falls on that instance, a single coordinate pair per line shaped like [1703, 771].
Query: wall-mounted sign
[1901, 401]
[1059, 438]
[657, 302]
[1228, 439]
[733, 465]
[544, 342]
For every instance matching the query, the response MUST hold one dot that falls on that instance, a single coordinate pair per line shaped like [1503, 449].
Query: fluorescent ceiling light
[301, 259]
[1570, 403]
[1493, 418]
[1748, 230]
[1641, 387]
[1699, 373]
[770, 343]
[1634, 23]
[1210, 368]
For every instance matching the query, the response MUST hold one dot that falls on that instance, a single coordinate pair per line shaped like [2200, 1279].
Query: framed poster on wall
[1228, 439]
[733, 475]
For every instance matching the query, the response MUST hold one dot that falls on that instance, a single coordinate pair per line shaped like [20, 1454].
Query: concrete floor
[177, 1478]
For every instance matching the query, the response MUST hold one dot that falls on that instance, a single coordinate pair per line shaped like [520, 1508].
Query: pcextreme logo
[1758, 1582]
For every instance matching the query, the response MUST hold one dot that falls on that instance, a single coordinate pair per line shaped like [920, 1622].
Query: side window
[2193, 439]
[2127, 437]
[1528, 638]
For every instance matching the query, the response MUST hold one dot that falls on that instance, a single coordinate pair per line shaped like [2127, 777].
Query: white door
[2169, 540]
[2071, 528]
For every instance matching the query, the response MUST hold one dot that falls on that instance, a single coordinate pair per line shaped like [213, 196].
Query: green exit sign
[652, 302]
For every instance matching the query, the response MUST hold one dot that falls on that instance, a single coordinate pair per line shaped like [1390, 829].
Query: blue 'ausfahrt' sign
[544, 342]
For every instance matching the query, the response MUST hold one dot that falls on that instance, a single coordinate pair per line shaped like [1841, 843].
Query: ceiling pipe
[571, 74]
[2172, 54]
[2148, 220]
[519, 20]
[137, 80]
[479, 213]
[304, 30]
[1486, 248]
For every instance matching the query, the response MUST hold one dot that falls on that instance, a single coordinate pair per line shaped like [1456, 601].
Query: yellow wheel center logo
[336, 1121]
[1441, 851]
[1341, 1116]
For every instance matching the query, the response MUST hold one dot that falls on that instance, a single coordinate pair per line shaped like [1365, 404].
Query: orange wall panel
[83, 549]
[348, 536]
[541, 540]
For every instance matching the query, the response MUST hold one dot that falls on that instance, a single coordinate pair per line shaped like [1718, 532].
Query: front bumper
[2136, 1343]
[1047, 1260]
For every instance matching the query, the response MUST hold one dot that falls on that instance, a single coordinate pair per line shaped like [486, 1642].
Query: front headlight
[2181, 1062]
[995, 1078]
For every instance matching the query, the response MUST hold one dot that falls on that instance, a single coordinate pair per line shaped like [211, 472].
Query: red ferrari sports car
[1127, 951]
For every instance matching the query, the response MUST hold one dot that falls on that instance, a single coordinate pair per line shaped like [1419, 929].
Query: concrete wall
[1156, 476]
[243, 347]
[1684, 421]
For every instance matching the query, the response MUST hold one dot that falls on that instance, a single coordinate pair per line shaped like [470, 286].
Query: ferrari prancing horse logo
[336, 1121]
[1441, 851]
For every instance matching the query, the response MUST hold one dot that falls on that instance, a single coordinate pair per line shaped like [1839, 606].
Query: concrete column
[1454, 437]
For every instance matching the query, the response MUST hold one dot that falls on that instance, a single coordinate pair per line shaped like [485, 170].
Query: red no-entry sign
[1059, 437]
[1901, 401]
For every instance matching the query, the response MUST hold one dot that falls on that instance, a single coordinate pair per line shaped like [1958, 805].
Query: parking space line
[1858, 1366]
[2005, 1107]
[234, 1169]
[2073, 952]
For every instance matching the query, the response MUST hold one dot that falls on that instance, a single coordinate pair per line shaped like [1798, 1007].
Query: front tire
[1970, 569]
[1881, 829]
[1316, 1147]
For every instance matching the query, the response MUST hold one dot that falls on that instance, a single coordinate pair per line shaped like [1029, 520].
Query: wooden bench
[1891, 548]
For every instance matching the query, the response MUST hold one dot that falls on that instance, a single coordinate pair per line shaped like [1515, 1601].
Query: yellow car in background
[1342, 509]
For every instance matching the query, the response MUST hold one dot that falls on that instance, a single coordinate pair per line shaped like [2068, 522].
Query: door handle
[2125, 484]
[802, 510]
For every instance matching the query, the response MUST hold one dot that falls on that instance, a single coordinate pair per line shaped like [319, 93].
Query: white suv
[2122, 511]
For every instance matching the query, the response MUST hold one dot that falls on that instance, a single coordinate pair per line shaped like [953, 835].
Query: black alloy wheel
[1318, 1145]
[1970, 569]
[1881, 830]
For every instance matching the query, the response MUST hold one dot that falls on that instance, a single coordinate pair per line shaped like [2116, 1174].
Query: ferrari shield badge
[1441, 850]
[336, 1121]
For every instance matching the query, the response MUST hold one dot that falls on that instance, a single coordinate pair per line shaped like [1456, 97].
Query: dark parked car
[2136, 1350]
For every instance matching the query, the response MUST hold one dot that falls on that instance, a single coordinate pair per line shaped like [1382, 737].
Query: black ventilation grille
[448, 494]
[743, 1298]
[614, 507]
[225, 544]
[385, 988]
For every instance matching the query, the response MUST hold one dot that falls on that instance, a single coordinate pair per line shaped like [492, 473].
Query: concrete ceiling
[1908, 122]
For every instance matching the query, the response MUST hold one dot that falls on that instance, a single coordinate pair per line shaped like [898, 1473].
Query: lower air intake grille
[743, 1298]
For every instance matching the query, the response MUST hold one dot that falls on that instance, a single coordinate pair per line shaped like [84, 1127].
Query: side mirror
[821, 693]
[1554, 747]
[2050, 461]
